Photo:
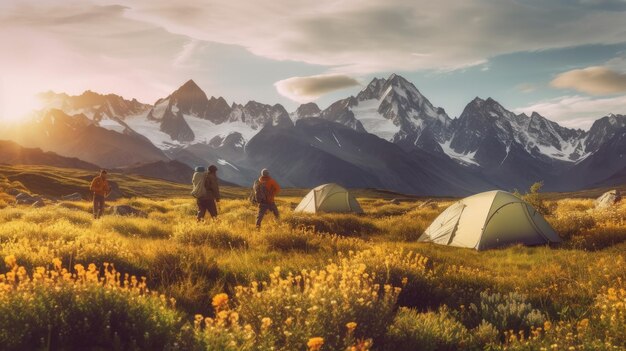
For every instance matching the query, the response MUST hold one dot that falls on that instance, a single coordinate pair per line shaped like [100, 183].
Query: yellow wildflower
[10, 261]
[547, 325]
[56, 262]
[266, 322]
[220, 301]
[351, 326]
[315, 344]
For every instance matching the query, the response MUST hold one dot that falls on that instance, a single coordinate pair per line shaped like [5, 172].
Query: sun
[18, 107]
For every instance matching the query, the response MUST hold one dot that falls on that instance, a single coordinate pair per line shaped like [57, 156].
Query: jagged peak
[218, 99]
[190, 84]
[190, 88]
[252, 104]
[309, 107]
[490, 100]
[477, 101]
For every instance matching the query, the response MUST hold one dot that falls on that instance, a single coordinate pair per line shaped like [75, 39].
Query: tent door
[456, 223]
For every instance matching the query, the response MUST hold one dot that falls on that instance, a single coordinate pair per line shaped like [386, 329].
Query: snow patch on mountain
[373, 122]
[206, 130]
[226, 163]
[111, 124]
[159, 109]
[151, 130]
[466, 158]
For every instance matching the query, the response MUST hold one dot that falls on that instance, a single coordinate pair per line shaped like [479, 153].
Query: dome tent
[329, 198]
[488, 220]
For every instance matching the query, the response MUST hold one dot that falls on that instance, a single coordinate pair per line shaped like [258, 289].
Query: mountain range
[387, 136]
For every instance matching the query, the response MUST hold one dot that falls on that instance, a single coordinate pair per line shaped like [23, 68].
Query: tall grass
[458, 298]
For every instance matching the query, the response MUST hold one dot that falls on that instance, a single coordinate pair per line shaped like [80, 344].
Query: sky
[565, 59]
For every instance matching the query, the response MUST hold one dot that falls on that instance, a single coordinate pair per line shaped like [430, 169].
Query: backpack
[198, 189]
[259, 193]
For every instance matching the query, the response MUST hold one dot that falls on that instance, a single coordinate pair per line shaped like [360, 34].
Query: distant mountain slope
[316, 151]
[13, 154]
[93, 105]
[486, 146]
[187, 115]
[604, 167]
[173, 171]
[77, 136]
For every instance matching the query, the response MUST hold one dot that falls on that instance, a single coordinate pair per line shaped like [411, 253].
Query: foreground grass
[327, 282]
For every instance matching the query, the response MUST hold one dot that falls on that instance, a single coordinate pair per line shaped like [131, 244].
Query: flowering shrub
[55, 308]
[429, 331]
[334, 308]
[506, 311]
[568, 224]
[611, 313]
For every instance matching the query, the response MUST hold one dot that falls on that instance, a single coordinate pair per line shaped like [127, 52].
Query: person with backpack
[101, 189]
[264, 192]
[206, 191]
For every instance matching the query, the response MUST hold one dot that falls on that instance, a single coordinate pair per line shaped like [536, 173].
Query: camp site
[445, 266]
[337, 175]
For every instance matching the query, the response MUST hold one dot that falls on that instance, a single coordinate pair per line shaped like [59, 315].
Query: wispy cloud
[596, 80]
[367, 36]
[576, 111]
[306, 89]
[186, 53]
[526, 87]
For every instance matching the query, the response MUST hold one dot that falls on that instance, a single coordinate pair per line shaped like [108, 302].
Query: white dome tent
[488, 220]
[329, 198]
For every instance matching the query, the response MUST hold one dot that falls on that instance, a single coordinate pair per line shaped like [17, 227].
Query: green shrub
[55, 310]
[485, 335]
[506, 311]
[431, 331]
[534, 198]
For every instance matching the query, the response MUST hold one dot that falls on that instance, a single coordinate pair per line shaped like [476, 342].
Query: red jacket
[100, 186]
[272, 188]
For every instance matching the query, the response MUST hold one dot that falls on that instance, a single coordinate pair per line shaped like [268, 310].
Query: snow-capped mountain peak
[306, 111]
[392, 109]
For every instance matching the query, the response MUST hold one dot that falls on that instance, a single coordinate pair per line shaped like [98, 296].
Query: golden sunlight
[17, 105]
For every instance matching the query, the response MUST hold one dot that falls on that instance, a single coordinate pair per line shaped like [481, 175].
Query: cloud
[307, 89]
[596, 80]
[526, 87]
[576, 111]
[73, 46]
[365, 36]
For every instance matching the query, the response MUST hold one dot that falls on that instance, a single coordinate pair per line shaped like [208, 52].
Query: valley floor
[324, 282]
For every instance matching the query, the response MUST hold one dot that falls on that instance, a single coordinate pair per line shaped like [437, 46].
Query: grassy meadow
[323, 282]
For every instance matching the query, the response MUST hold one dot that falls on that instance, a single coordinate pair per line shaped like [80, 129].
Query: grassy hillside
[324, 282]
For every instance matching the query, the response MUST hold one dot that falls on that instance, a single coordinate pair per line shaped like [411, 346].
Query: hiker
[206, 191]
[101, 189]
[265, 190]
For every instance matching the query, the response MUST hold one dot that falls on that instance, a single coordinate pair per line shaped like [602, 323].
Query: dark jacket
[212, 187]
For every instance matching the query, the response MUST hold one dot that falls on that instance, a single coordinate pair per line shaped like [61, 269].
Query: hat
[265, 172]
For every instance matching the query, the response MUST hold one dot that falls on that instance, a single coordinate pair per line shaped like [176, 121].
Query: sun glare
[17, 108]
